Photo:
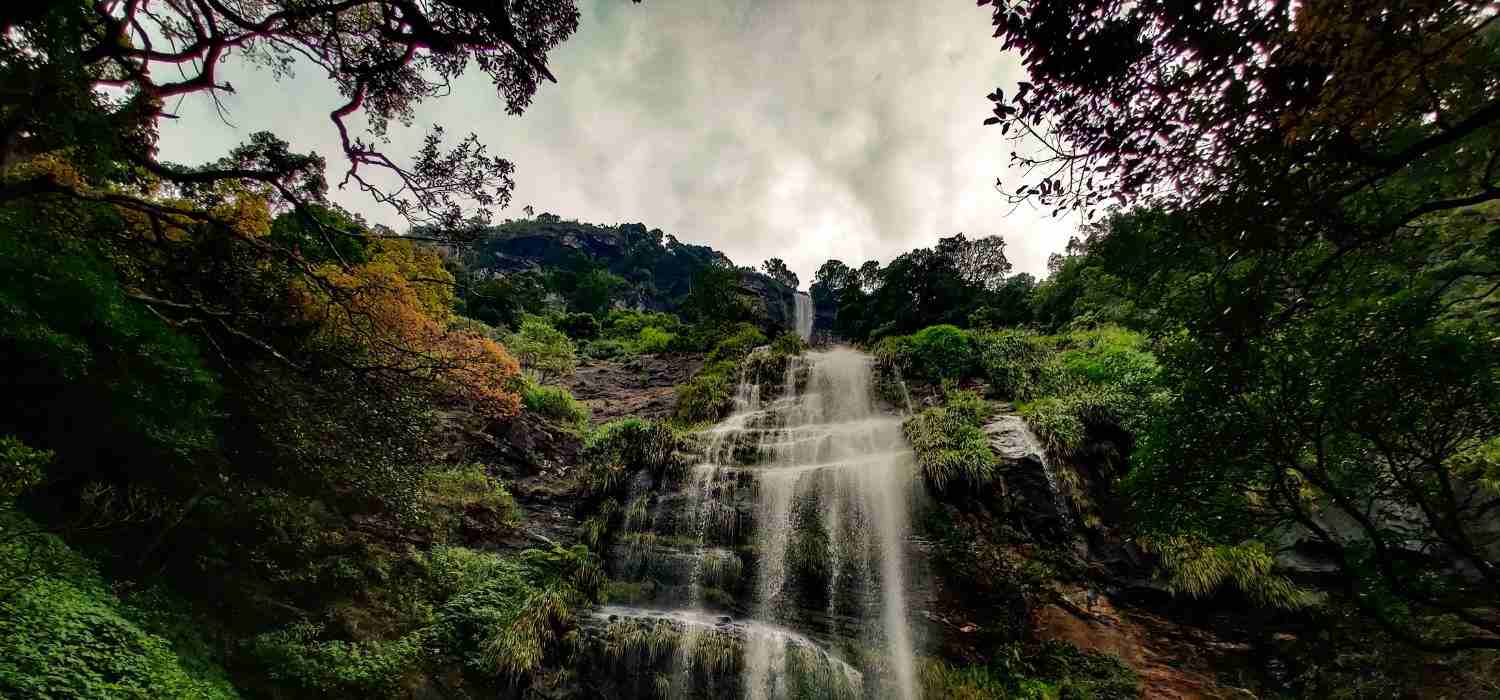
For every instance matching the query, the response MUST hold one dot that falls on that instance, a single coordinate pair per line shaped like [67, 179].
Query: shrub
[608, 349]
[543, 351]
[952, 448]
[450, 571]
[710, 393]
[1196, 568]
[64, 635]
[1013, 361]
[655, 340]
[789, 345]
[296, 656]
[21, 467]
[1055, 423]
[556, 404]
[1043, 672]
[942, 352]
[619, 449]
[1108, 355]
[896, 352]
[449, 493]
[628, 323]
[518, 617]
[740, 340]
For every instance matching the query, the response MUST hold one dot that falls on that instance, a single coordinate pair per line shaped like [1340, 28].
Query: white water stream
[806, 487]
[805, 312]
[828, 460]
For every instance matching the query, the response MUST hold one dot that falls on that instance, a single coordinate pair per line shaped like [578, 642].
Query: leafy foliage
[952, 448]
[456, 491]
[296, 656]
[64, 634]
[545, 353]
[557, 404]
[1051, 670]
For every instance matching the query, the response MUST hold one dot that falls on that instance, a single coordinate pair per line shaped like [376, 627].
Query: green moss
[629, 592]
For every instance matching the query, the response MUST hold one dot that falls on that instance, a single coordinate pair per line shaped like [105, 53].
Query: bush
[942, 352]
[454, 570]
[1013, 361]
[896, 352]
[741, 339]
[516, 619]
[449, 493]
[543, 351]
[608, 349]
[710, 393]
[627, 324]
[1054, 421]
[951, 445]
[21, 467]
[788, 345]
[1108, 355]
[557, 405]
[617, 450]
[1044, 672]
[296, 656]
[655, 340]
[64, 635]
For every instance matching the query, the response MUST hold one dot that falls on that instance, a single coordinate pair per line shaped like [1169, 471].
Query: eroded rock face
[643, 387]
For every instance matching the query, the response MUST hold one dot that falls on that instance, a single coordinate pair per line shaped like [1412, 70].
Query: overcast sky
[802, 130]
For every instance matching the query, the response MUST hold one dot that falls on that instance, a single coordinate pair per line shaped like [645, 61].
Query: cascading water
[805, 488]
[805, 315]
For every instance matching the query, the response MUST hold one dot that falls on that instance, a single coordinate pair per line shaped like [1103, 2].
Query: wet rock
[1030, 489]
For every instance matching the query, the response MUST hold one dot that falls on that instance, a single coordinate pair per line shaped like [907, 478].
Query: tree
[716, 300]
[546, 354]
[383, 56]
[980, 262]
[777, 269]
[1316, 261]
[829, 280]
[1253, 89]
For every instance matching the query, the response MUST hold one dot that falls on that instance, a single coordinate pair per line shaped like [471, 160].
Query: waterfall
[806, 487]
[805, 315]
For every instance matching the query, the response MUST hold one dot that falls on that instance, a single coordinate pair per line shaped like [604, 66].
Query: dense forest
[255, 446]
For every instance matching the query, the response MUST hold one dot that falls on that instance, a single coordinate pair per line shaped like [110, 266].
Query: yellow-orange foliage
[395, 327]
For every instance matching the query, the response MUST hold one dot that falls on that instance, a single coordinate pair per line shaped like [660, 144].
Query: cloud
[800, 130]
